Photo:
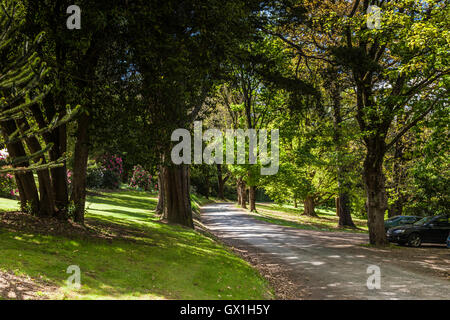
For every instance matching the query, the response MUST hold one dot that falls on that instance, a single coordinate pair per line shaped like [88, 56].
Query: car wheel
[414, 240]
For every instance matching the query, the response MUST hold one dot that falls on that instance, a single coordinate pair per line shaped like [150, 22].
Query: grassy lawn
[142, 258]
[289, 216]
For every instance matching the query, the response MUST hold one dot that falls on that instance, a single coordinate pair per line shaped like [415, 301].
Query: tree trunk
[337, 204]
[80, 168]
[177, 201]
[160, 205]
[221, 182]
[29, 197]
[238, 191]
[47, 199]
[59, 139]
[295, 203]
[309, 207]
[343, 210]
[252, 198]
[376, 195]
[243, 195]
[343, 199]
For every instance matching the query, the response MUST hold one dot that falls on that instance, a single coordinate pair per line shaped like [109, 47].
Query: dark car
[400, 221]
[433, 229]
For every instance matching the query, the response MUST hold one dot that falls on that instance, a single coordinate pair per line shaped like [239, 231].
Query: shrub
[94, 178]
[8, 186]
[142, 179]
[112, 171]
[106, 174]
[111, 180]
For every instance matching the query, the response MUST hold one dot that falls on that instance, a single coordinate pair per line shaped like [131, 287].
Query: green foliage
[8, 186]
[94, 178]
[142, 180]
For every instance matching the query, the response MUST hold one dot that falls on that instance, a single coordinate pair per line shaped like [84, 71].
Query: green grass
[289, 216]
[9, 204]
[155, 261]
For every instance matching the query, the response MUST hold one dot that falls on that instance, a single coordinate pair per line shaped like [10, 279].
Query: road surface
[321, 264]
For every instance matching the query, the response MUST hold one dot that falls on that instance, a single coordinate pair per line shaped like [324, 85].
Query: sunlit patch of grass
[292, 217]
[9, 204]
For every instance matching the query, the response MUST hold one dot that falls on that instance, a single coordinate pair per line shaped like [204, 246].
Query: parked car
[448, 241]
[400, 221]
[434, 229]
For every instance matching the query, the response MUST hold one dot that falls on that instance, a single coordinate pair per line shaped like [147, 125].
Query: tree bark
[295, 203]
[309, 207]
[46, 195]
[374, 182]
[343, 199]
[177, 201]
[221, 182]
[80, 168]
[28, 193]
[252, 198]
[58, 137]
[160, 205]
[343, 210]
[243, 195]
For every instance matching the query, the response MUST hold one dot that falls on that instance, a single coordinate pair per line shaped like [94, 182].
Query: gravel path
[306, 264]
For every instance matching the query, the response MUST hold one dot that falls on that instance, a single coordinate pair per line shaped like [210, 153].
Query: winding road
[322, 264]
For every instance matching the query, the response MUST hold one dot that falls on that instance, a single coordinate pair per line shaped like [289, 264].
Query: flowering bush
[106, 173]
[142, 179]
[112, 171]
[8, 186]
[94, 177]
[3, 156]
[113, 164]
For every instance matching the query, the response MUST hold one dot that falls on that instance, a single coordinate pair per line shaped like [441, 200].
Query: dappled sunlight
[328, 260]
[292, 217]
[161, 261]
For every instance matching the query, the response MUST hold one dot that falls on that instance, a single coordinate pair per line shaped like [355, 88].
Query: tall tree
[23, 127]
[398, 71]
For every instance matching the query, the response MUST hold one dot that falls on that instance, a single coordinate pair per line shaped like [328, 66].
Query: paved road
[330, 265]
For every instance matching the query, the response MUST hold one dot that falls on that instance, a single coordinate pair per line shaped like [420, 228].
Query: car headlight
[399, 231]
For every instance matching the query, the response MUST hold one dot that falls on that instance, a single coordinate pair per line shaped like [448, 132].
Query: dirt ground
[23, 288]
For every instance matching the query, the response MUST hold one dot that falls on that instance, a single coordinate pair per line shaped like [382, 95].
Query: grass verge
[289, 216]
[140, 258]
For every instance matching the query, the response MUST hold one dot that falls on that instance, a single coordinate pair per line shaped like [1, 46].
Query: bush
[106, 174]
[94, 178]
[8, 186]
[111, 180]
[142, 179]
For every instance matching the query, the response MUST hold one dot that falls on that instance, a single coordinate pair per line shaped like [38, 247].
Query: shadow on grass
[307, 226]
[155, 260]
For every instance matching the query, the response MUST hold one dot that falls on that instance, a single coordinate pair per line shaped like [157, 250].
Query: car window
[441, 221]
[423, 221]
